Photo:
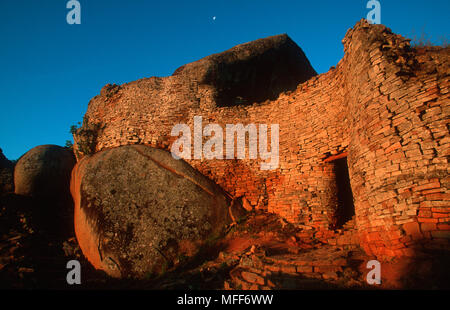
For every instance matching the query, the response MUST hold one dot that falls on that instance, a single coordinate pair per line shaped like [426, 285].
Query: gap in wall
[345, 209]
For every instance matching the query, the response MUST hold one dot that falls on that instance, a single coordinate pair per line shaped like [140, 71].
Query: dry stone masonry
[381, 116]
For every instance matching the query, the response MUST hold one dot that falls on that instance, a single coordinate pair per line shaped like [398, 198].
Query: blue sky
[49, 70]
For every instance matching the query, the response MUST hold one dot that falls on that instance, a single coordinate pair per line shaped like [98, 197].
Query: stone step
[328, 263]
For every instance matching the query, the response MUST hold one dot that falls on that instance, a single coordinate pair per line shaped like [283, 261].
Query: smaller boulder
[43, 173]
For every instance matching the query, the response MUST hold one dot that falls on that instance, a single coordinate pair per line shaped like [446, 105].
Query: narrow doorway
[345, 208]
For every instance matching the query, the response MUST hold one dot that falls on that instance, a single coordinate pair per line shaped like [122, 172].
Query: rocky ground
[262, 251]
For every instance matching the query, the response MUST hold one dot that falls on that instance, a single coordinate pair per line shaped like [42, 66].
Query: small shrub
[86, 138]
[423, 40]
[73, 129]
[69, 144]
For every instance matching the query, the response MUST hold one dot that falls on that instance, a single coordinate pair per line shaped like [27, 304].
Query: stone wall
[385, 107]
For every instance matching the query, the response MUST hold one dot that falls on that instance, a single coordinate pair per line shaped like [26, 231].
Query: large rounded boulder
[139, 211]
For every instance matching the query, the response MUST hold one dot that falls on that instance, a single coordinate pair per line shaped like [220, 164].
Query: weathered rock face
[6, 174]
[139, 211]
[252, 72]
[44, 173]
